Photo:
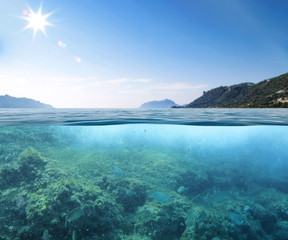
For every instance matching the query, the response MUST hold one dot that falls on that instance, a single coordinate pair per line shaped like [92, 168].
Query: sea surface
[151, 174]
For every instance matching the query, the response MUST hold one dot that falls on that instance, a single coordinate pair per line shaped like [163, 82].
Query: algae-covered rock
[9, 177]
[194, 182]
[202, 224]
[74, 205]
[30, 164]
[131, 196]
[130, 193]
[281, 235]
[268, 222]
[37, 197]
[161, 221]
[136, 237]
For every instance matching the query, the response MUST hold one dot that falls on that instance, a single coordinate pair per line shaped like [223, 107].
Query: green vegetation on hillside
[271, 93]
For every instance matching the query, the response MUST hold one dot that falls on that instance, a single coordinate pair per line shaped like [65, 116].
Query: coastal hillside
[270, 93]
[7, 101]
[167, 103]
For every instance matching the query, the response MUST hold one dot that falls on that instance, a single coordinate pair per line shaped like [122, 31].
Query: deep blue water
[144, 174]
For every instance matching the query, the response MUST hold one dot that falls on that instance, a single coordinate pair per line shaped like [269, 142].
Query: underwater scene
[143, 181]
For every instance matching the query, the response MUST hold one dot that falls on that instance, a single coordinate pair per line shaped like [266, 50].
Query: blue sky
[122, 53]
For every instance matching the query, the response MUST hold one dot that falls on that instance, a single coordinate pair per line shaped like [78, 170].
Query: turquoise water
[133, 174]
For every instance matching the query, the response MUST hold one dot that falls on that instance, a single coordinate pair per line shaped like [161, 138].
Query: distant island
[270, 93]
[167, 103]
[7, 101]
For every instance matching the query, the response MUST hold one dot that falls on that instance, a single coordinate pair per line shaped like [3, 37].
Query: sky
[122, 53]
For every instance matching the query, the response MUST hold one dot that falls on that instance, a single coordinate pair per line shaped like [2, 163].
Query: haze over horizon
[124, 53]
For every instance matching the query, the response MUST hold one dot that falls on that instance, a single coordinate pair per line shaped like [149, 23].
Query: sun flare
[37, 21]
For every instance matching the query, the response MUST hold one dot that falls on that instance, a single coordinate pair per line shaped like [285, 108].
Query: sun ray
[37, 21]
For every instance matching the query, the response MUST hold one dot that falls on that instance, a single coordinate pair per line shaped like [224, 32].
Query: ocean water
[187, 174]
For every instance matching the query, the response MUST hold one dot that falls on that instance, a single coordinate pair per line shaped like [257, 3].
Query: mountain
[270, 93]
[167, 103]
[7, 101]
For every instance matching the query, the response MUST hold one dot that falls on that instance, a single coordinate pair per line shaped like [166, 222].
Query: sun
[37, 21]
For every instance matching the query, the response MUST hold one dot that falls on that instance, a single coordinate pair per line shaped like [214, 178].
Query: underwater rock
[9, 177]
[268, 223]
[30, 164]
[195, 183]
[131, 195]
[57, 202]
[203, 225]
[167, 224]
[202, 216]
[236, 219]
[281, 235]
[279, 184]
[33, 158]
[9, 194]
[161, 197]
[76, 205]
[283, 215]
[283, 225]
